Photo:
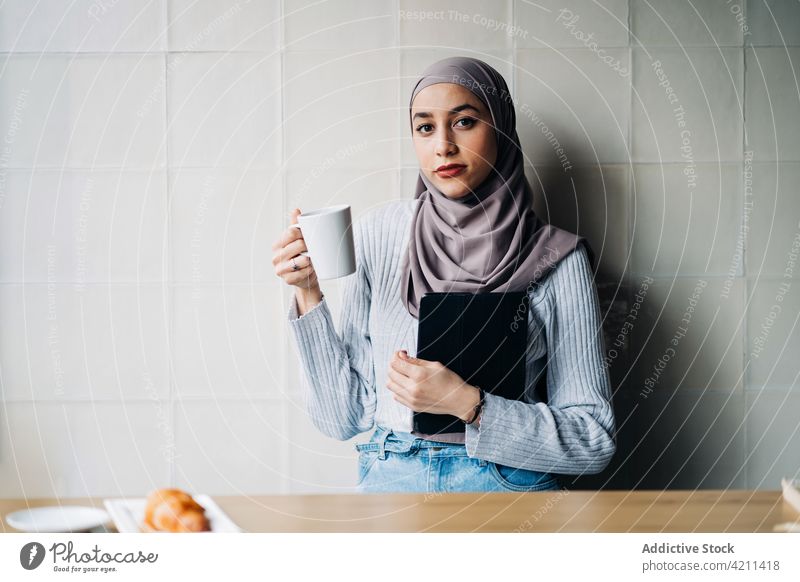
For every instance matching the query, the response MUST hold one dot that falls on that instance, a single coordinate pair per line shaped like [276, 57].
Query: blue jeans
[399, 462]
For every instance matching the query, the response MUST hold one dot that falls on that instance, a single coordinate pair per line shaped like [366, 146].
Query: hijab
[489, 240]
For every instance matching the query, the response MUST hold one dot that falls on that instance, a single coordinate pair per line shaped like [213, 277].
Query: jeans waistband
[407, 442]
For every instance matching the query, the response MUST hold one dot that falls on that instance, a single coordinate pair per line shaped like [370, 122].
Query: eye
[467, 122]
[424, 128]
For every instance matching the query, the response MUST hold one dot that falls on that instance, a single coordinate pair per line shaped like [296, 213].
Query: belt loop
[382, 443]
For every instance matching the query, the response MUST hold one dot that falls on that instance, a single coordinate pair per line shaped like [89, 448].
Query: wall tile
[206, 25]
[99, 342]
[592, 201]
[773, 439]
[75, 450]
[571, 23]
[677, 440]
[85, 111]
[225, 341]
[686, 24]
[326, 125]
[224, 223]
[708, 330]
[573, 100]
[773, 23]
[318, 463]
[773, 220]
[230, 448]
[224, 110]
[707, 84]
[773, 334]
[619, 304]
[356, 24]
[361, 189]
[424, 23]
[82, 26]
[687, 224]
[83, 226]
[773, 103]
[408, 182]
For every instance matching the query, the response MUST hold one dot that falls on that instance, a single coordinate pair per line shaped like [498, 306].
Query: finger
[306, 276]
[285, 242]
[293, 220]
[298, 274]
[416, 361]
[399, 396]
[289, 234]
[403, 382]
[406, 368]
[393, 386]
[286, 267]
[292, 249]
[296, 247]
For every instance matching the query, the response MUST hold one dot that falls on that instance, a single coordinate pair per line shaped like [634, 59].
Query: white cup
[328, 234]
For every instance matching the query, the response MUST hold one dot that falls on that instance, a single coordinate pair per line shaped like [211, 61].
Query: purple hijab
[490, 239]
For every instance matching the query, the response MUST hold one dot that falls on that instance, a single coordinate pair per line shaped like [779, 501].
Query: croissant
[173, 510]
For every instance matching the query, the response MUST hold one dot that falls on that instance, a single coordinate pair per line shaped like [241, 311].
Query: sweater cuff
[477, 433]
[306, 327]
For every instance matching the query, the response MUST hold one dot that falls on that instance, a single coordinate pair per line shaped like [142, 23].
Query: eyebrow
[458, 109]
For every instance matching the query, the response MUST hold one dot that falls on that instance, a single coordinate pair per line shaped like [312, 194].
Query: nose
[444, 147]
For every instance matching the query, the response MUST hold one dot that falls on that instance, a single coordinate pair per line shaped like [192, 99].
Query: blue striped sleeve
[574, 432]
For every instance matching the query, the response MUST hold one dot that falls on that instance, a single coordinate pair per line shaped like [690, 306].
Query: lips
[450, 170]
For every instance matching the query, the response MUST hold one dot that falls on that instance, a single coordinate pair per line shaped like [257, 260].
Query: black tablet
[480, 336]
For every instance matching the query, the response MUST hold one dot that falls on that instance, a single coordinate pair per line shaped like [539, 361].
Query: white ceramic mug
[328, 234]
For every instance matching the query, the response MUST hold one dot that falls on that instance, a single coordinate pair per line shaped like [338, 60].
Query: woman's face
[453, 137]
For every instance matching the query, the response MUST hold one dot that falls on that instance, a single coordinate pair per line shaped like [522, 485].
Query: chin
[452, 191]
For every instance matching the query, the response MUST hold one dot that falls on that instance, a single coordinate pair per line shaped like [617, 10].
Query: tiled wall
[152, 150]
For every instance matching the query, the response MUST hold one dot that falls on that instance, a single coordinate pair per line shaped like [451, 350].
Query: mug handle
[297, 226]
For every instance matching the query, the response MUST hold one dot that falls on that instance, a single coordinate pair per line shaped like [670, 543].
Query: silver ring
[294, 265]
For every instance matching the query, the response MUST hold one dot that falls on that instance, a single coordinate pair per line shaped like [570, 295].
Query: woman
[471, 227]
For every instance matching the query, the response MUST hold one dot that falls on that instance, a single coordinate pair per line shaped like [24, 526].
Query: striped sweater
[345, 373]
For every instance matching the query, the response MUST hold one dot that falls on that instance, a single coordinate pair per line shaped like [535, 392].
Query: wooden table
[547, 511]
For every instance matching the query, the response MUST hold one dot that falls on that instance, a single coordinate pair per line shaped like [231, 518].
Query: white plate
[58, 518]
[791, 492]
[128, 514]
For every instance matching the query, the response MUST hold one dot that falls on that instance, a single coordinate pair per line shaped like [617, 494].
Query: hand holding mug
[328, 232]
[290, 258]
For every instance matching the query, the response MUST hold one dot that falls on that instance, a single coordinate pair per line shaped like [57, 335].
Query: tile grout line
[743, 264]
[630, 224]
[398, 174]
[156, 53]
[265, 169]
[285, 446]
[172, 471]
